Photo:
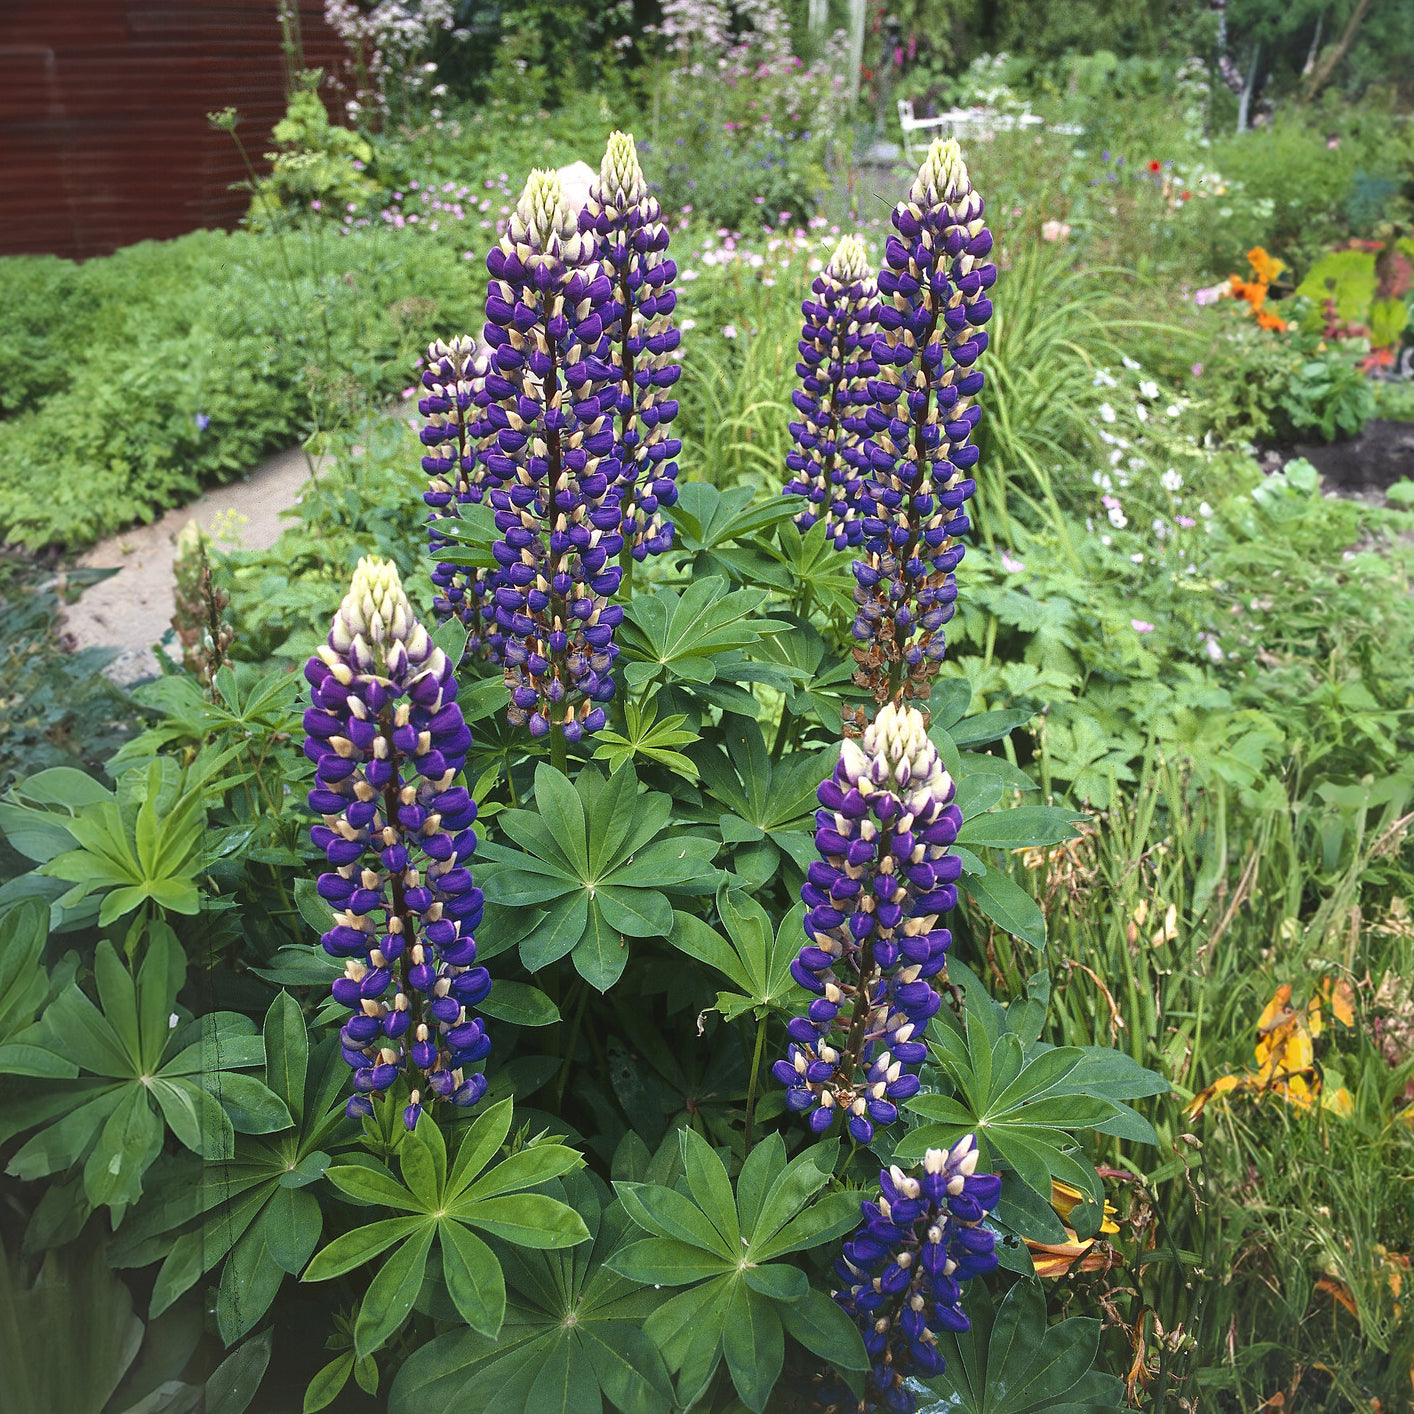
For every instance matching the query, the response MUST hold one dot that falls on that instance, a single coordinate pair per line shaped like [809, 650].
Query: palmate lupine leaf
[141, 1073]
[722, 532]
[573, 1336]
[1011, 1362]
[821, 683]
[449, 1197]
[594, 863]
[766, 806]
[650, 737]
[1025, 1100]
[668, 637]
[726, 1248]
[816, 566]
[143, 845]
[753, 956]
[254, 1210]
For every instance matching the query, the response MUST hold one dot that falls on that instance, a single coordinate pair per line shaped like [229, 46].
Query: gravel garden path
[133, 609]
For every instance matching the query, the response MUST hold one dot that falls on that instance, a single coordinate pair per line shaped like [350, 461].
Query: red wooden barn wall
[103, 103]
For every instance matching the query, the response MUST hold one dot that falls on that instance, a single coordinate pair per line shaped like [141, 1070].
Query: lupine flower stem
[874, 896]
[626, 222]
[933, 306]
[387, 740]
[903, 1270]
[550, 395]
[755, 1080]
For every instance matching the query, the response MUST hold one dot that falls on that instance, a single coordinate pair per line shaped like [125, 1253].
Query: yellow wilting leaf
[1057, 1259]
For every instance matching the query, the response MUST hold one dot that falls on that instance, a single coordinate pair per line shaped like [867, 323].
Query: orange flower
[1265, 267]
[1284, 1055]
[1057, 1259]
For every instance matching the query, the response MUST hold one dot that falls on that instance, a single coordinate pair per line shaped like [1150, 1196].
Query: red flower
[1154, 164]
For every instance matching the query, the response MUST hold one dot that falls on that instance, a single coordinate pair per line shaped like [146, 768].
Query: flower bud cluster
[551, 394]
[873, 899]
[904, 1267]
[631, 241]
[933, 304]
[387, 740]
[456, 436]
[836, 364]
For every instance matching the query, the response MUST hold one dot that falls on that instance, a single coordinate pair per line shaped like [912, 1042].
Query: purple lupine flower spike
[456, 436]
[903, 1269]
[550, 396]
[837, 361]
[627, 222]
[933, 305]
[387, 740]
[874, 896]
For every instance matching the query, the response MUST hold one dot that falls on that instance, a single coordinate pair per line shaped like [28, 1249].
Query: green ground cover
[1205, 663]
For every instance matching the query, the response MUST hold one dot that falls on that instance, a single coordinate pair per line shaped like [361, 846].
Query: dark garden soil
[1364, 467]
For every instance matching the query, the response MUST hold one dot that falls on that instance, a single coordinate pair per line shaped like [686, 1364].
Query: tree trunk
[1312, 51]
[1244, 103]
[1323, 71]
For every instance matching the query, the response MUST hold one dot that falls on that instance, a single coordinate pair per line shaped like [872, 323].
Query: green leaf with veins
[141, 1074]
[567, 1313]
[725, 1246]
[667, 636]
[595, 865]
[456, 1200]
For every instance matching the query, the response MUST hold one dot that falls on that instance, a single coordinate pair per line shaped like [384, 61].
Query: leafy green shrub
[262, 342]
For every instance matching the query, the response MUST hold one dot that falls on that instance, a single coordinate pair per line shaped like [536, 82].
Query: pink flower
[1054, 230]
[1140, 626]
[1197, 370]
[1010, 565]
[1185, 521]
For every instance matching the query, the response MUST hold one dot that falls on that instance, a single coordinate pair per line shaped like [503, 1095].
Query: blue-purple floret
[933, 304]
[387, 740]
[550, 399]
[903, 1270]
[873, 897]
[456, 437]
[829, 457]
[625, 221]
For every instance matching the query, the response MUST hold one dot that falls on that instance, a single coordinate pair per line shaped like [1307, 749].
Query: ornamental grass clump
[933, 304]
[551, 394]
[836, 347]
[873, 897]
[626, 222]
[387, 740]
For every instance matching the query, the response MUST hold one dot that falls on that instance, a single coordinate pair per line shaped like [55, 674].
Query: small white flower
[729, 331]
[1171, 480]
[1204, 509]
[1172, 410]
[1141, 412]
[1148, 388]
[687, 324]
[1104, 379]
[1137, 558]
[1107, 413]
[1133, 365]
[1118, 519]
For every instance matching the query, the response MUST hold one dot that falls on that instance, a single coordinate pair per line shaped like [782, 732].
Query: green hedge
[130, 382]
